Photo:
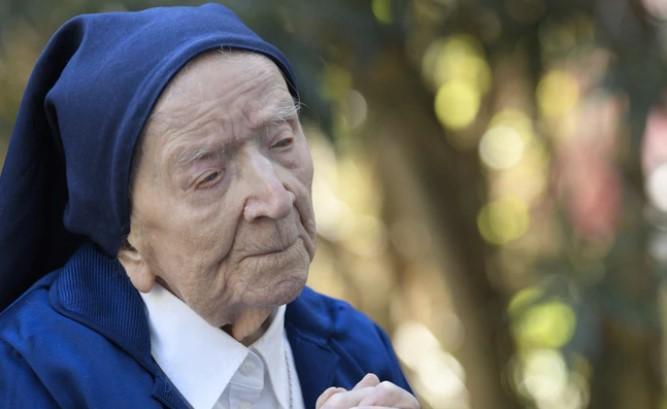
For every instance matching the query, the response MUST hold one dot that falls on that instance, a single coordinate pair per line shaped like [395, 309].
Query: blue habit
[80, 339]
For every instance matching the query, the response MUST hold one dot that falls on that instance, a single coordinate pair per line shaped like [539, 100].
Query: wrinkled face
[221, 203]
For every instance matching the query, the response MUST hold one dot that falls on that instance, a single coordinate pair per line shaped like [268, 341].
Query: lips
[274, 249]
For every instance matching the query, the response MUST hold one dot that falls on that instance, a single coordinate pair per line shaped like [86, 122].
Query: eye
[283, 143]
[208, 179]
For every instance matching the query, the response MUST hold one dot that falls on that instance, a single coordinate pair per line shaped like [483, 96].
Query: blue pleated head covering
[65, 179]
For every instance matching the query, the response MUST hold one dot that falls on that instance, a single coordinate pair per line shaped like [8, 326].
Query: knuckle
[390, 391]
[334, 402]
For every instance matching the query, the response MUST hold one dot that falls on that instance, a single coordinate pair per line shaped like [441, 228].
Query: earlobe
[136, 268]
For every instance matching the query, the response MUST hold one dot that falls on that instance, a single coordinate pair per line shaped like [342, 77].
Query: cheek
[183, 237]
[208, 229]
[307, 175]
[301, 166]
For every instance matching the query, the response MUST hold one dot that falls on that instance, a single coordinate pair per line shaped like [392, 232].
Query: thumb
[370, 379]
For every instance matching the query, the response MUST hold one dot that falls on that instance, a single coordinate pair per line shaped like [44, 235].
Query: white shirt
[214, 371]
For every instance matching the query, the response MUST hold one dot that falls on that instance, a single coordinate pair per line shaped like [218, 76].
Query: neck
[250, 325]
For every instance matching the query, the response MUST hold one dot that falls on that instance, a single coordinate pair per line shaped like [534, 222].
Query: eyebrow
[185, 156]
[286, 109]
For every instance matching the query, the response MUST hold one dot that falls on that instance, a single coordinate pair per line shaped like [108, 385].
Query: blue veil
[65, 179]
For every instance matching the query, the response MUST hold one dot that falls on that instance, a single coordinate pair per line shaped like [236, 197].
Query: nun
[156, 229]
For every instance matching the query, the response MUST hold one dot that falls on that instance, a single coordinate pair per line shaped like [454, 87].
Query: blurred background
[491, 182]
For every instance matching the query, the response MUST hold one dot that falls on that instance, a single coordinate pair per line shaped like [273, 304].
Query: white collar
[201, 359]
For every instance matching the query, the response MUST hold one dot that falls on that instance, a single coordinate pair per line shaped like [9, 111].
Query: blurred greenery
[491, 182]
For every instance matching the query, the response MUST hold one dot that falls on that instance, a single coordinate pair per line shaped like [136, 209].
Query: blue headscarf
[66, 176]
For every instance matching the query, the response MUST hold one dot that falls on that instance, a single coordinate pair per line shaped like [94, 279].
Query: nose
[268, 196]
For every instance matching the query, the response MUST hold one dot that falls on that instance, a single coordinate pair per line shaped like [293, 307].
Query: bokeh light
[440, 376]
[382, 10]
[557, 93]
[457, 104]
[456, 68]
[501, 147]
[503, 221]
[548, 324]
[657, 8]
[656, 187]
[456, 58]
[354, 109]
[544, 375]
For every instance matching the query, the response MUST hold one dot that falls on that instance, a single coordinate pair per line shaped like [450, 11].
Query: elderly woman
[156, 229]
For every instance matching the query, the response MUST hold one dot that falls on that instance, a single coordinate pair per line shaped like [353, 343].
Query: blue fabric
[65, 179]
[79, 338]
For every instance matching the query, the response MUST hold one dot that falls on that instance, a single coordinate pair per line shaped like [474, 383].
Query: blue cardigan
[79, 338]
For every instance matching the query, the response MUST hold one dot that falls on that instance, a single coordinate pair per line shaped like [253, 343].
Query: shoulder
[42, 336]
[29, 315]
[23, 328]
[50, 338]
[20, 386]
[38, 344]
[359, 342]
[318, 314]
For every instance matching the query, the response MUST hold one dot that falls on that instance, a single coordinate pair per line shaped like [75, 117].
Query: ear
[135, 266]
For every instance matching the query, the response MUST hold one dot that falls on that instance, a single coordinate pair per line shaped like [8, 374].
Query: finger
[372, 407]
[391, 395]
[370, 379]
[329, 392]
[348, 399]
[380, 407]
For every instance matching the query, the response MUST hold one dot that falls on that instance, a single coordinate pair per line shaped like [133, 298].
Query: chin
[285, 291]
[280, 293]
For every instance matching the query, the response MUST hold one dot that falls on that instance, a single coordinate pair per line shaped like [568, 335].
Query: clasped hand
[369, 393]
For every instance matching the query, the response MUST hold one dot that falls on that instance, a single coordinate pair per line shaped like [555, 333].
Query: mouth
[274, 250]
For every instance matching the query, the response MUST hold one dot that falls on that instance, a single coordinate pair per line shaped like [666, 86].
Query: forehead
[228, 81]
[218, 94]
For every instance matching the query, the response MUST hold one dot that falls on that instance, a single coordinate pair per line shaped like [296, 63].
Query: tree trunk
[451, 187]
